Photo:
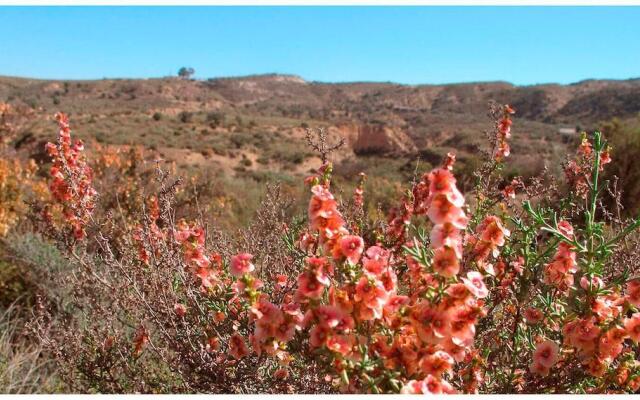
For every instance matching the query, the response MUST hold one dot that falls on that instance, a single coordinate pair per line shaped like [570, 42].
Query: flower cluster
[578, 170]
[71, 179]
[503, 133]
[559, 272]
[545, 357]
[192, 240]
[490, 236]
[449, 296]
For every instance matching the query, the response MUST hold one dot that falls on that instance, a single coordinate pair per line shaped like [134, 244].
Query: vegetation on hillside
[439, 275]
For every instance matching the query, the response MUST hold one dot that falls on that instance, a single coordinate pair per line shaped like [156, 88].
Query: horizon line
[305, 80]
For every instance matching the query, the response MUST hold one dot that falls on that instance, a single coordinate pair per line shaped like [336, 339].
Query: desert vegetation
[124, 274]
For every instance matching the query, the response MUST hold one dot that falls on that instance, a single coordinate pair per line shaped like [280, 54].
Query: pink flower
[442, 181]
[611, 343]
[437, 364]
[445, 262]
[333, 317]
[429, 385]
[351, 247]
[533, 315]
[633, 292]
[414, 387]
[318, 335]
[592, 284]
[566, 229]
[518, 265]
[493, 231]
[538, 369]
[443, 210]
[632, 326]
[446, 235]
[320, 267]
[546, 354]
[285, 331]
[309, 285]
[237, 347]
[376, 260]
[180, 309]
[241, 264]
[475, 284]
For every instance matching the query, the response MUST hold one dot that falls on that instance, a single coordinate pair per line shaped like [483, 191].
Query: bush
[625, 140]
[22, 367]
[185, 117]
[522, 286]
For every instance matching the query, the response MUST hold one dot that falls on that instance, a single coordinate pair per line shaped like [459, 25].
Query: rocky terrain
[254, 127]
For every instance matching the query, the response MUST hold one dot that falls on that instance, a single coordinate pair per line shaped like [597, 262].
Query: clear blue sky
[523, 45]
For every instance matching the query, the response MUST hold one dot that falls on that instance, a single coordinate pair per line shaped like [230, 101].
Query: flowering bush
[516, 287]
[18, 180]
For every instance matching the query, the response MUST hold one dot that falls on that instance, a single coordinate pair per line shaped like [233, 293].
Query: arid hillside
[254, 127]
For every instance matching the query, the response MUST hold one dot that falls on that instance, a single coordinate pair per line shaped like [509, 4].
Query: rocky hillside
[258, 122]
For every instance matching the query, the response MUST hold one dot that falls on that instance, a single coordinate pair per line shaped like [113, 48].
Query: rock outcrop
[375, 139]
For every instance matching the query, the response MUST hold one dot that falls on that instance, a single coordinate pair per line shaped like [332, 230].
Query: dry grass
[23, 367]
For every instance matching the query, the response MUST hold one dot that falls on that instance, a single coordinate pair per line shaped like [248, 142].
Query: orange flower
[611, 343]
[241, 264]
[533, 315]
[446, 235]
[442, 181]
[437, 364]
[632, 326]
[372, 295]
[431, 324]
[281, 281]
[351, 247]
[493, 231]
[546, 354]
[340, 344]
[633, 292]
[445, 262]
[462, 329]
[237, 347]
[213, 344]
[140, 339]
[318, 335]
[442, 210]
[538, 369]
[322, 203]
[309, 286]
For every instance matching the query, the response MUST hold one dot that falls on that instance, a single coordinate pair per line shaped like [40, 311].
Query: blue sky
[523, 45]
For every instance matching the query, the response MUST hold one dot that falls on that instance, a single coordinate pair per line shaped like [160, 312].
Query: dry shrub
[522, 286]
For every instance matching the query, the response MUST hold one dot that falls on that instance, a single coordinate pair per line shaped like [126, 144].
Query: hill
[254, 126]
